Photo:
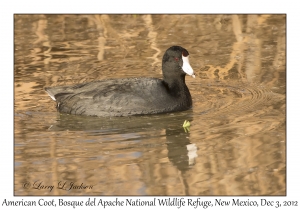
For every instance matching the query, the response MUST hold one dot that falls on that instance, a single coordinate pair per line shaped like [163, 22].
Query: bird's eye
[176, 59]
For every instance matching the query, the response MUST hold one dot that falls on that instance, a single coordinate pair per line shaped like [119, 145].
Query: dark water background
[237, 139]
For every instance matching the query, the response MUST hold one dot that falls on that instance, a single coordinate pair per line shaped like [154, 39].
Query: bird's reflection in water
[181, 152]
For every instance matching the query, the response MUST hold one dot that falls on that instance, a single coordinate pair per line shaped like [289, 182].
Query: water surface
[237, 139]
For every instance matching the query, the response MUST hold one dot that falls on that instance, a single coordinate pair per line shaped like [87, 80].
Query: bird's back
[115, 97]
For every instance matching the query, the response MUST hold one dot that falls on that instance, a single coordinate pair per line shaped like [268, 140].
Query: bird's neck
[176, 85]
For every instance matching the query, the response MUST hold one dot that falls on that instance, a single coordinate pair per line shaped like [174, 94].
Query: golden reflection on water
[237, 141]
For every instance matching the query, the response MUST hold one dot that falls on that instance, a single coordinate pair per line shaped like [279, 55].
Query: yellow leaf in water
[186, 124]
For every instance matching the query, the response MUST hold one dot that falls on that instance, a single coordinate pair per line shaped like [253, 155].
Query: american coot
[131, 96]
